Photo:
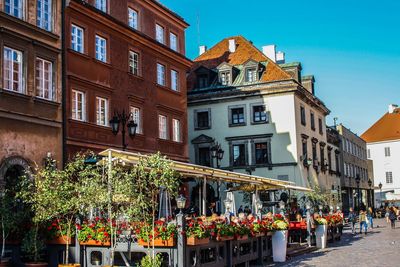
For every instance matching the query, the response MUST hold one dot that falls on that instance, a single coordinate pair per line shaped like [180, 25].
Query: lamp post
[370, 192]
[358, 192]
[181, 204]
[218, 154]
[380, 193]
[308, 207]
[126, 121]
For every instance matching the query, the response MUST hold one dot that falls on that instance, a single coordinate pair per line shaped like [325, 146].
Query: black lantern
[114, 123]
[358, 179]
[217, 153]
[369, 183]
[380, 186]
[132, 128]
[126, 121]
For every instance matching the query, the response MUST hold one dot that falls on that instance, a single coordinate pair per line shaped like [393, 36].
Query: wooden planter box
[194, 241]
[61, 240]
[69, 265]
[158, 242]
[242, 237]
[260, 234]
[224, 238]
[95, 243]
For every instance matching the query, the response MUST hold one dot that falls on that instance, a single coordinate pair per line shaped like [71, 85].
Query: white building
[383, 148]
[265, 116]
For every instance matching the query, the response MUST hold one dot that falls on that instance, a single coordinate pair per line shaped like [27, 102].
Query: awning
[188, 170]
[251, 188]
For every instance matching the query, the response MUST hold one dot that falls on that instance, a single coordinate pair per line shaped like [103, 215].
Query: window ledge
[15, 94]
[135, 76]
[259, 122]
[168, 89]
[202, 128]
[106, 64]
[46, 101]
[236, 124]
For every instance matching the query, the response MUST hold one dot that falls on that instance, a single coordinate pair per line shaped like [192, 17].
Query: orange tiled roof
[245, 50]
[385, 129]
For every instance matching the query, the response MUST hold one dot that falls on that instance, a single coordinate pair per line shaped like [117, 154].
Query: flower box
[158, 242]
[194, 241]
[95, 243]
[260, 234]
[60, 240]
[224, 238]
[242, 237]
[69, 265]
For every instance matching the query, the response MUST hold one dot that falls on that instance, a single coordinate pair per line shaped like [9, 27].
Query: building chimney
[202, 49]
[270, 52]
[280, 57]
[232, 45]
[392, 108]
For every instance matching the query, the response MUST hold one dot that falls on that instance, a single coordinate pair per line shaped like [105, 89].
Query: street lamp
[380, 194]
[358, 191]
[181, 203]
[217, 153]
[370, 193]
[126, 121]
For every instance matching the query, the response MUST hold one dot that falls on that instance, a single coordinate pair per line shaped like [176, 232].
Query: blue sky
[352, 47]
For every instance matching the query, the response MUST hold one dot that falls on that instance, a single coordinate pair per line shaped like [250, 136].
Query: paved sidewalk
[380, 248]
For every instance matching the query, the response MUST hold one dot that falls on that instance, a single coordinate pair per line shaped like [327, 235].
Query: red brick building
[125, 55]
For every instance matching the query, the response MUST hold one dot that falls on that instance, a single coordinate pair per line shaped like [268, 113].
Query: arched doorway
[11, 169]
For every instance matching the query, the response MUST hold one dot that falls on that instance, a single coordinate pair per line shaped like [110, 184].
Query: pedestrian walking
[387, 215]
[392, 218]
[363, 221]
[352, 220]
[370, 218]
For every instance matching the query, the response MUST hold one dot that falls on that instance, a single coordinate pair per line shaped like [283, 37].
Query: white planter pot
[321, 235]
[279, 246]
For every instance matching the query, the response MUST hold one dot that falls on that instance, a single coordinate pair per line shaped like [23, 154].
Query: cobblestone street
[380, 247]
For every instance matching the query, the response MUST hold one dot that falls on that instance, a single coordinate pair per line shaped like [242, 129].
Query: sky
[352, 47]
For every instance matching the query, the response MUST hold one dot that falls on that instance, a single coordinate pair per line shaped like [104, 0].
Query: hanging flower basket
[158, 242]
[194, 241]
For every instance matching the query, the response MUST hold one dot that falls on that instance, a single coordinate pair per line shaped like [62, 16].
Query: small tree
[317, 197]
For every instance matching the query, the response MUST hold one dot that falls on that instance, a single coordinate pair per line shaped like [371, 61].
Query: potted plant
[162, 235]
[279, 238]
[56, 233]
[149, 261]
[32, 248]
[223, 231]
[197, 231]
[94, 232]
[321, 232]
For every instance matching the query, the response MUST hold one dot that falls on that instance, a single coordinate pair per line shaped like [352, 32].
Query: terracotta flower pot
[194, 241]
[95, 243]
[259, 234]
[158, 242]
[224, 238]
[242, 237]
[60, 240]
[36, 264]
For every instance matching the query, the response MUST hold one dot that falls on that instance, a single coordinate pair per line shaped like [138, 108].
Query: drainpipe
[63, 86]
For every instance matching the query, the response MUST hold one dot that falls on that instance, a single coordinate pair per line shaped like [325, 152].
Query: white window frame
[173, 41]
[162, 127]
[133, 18]
[387, 151]
[101, 48]
[102, 111]
[176, 130]
[12, 8]
[42, 78]
[161, 74]
[137, 118]
[134, 62]
[160, 33]
[389, 177]
[77, 38]
[102, 5]
[9, 69]
[174, 80]
[79, 116]
[44, 7]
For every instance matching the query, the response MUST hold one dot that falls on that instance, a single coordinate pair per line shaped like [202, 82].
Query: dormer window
[202, 81]
[251, 75]
[225, 77]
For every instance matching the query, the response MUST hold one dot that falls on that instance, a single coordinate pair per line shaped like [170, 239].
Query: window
[322, 156]
[204, 156]
[77, 43]
[305, 150]
[162, 126]
[174, 80]
[312, 120]
[203, 121]
[78, 105]
[136, 116]
[134, 63]
[314, 152]
[44, 79]
[320, 126]
[369, 153]
[160, 74]
[160, 34]
[15, 8]
[101, 111]
[43, 14]
[259, 114]
[251, 75]
[261, 153]
[132, 18]
[387, 151]
[239, 156]
[101, 49]
[101, 5]
[202, 81]
[237, 115]
[12, 70]
[225, 77]
[389, 177]
[173, 41]
[303, 115]
[176, 130]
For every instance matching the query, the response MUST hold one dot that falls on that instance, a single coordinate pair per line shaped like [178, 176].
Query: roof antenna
[334, 121]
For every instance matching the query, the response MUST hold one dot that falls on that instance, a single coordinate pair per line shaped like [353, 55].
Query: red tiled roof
[245, 50]
[385, 129]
